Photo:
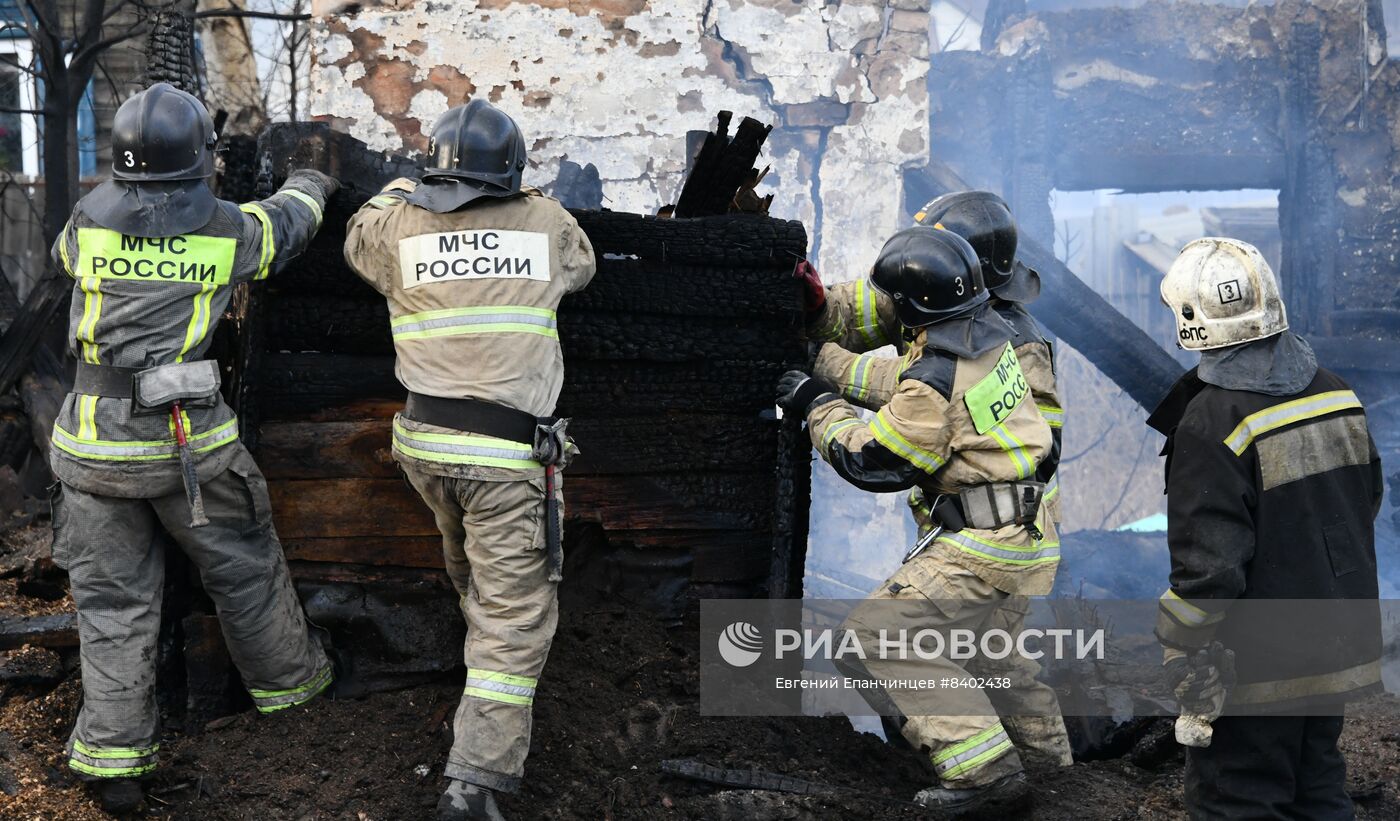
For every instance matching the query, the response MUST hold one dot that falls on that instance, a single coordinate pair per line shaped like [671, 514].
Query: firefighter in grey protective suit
[144, 441]
[473, 267]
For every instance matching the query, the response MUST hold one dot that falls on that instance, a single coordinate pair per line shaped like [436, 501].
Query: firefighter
[1273, 484]
[144, 441]
[473, 266]
[857, 318]
[961, 424]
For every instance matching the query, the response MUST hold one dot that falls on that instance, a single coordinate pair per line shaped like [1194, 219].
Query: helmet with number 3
[162, 156]
[1223, 293]
[930, 274]
[162, 134]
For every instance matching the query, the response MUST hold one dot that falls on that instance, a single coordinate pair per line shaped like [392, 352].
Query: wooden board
[379, 508]
[663, 442]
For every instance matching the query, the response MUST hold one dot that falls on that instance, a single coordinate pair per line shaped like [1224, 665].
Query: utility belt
[984, 507]
[546, 435]
[152, 390]
[165, 389]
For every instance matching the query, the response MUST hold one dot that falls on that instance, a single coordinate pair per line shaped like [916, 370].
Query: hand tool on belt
[546, 435]
[983, 507]
[162, 389]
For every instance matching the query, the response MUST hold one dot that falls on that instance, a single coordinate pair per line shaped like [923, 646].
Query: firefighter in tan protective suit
[857, 319]
[956, 419]
[145, 442]
[474, 267]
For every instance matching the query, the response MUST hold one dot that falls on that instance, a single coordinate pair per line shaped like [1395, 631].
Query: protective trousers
[493, 541]
[973, 736]
[1269, 767]
[116, 566]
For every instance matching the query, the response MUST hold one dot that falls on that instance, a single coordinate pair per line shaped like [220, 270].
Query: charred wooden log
[672, 354]
[722, 166]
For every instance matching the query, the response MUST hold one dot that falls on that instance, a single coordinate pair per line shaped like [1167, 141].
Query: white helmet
[1223, 293]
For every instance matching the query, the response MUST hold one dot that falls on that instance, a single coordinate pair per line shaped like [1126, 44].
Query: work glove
[813, 291]
[1200, 680]
[326, 182]
[797, 391]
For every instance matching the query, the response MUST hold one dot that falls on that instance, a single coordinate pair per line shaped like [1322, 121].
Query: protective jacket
[140, 302]
[858, 319]
[472, 299]
[950, 424]
[1273, 497]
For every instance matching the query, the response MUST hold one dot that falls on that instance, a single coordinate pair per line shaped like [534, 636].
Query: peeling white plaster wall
[618, 83]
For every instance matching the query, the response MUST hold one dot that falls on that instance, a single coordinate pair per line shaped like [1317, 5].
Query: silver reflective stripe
[1010, 554]
[977, 751]
[268, 701]
[503, 321]
[463, 449]
[1288, 413]
[118, 451]
[499, 687]
[111, 762]
[1187, 613]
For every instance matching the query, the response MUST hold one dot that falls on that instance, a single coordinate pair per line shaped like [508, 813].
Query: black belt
[105, 380]
[475, 416]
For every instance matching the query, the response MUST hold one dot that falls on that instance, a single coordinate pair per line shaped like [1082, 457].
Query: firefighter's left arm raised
[276, 230]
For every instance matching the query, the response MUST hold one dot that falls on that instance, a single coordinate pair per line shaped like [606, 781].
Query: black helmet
[478, 143]
[162, 134]
[930, 274]
[984, 220]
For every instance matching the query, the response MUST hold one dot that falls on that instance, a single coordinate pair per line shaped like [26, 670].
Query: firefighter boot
[998, 799]
[120, 796]
[467, 802]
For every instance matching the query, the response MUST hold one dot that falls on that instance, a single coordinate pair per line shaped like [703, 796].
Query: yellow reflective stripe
[463, 449]
[307, 200]
[995, 752]
[1288, 413]
[869, 328]
[504, 698]
[199, 319]
[110, 772]
[892, 439]
[1037, 553]
[63, 248]
[485, 328]
[87, 417]
[115, 752]
[1054, 417]
[860, 377]
[116, 451]
[1014, 449]
[381, 200]
[1186, 612]
[92, 311]
[477, 310]
[268, 244]
[835, 428]
[504, 678]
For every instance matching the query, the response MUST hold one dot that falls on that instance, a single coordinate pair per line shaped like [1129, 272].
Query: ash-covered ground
[620, 695]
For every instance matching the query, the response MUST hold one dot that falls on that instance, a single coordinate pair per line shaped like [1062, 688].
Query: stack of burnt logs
[688, 485]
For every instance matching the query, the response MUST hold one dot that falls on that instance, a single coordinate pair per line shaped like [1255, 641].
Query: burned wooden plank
[300, 385]
[60, 630]
[376, 508]
[620, 445]
[355, 326]
[381, 551]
